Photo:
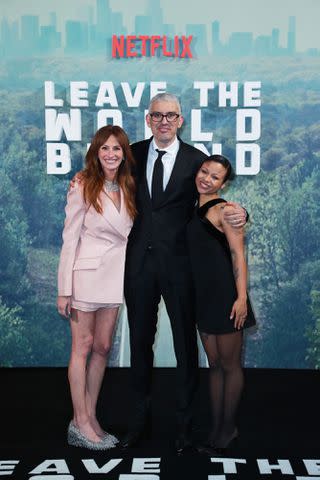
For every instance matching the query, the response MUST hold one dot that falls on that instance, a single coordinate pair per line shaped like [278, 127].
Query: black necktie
[157, 178]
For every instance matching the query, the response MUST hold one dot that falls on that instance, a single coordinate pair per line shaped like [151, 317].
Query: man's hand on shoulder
[76, 180]
[234, 214]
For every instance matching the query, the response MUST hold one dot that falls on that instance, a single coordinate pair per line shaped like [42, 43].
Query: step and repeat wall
[247, 76]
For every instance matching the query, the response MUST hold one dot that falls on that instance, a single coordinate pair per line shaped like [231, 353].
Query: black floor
[278, 419]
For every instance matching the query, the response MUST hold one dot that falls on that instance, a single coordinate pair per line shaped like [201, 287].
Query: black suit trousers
[143, 292]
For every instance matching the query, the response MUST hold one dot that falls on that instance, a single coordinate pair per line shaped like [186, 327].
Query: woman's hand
[239, 312]
[64, 306]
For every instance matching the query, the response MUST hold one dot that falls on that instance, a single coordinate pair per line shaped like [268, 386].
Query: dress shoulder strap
[211, 203]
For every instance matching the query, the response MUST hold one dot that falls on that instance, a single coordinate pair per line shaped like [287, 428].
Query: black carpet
[278, 422]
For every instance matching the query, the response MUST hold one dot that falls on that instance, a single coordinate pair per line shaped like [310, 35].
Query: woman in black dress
[222, 307]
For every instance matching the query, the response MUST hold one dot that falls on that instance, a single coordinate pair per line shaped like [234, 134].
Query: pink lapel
[120, 221]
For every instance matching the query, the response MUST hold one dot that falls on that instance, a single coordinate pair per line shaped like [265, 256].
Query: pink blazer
[92, 258]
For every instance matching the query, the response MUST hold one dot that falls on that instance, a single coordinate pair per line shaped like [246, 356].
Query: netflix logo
[126, 46]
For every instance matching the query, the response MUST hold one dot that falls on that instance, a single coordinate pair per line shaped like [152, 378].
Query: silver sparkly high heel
[77, 439]
[108, 437]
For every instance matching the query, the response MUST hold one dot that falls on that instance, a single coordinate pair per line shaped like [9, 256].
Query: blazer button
[149, 247]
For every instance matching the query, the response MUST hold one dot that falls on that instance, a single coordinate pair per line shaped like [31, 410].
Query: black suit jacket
[163, 229]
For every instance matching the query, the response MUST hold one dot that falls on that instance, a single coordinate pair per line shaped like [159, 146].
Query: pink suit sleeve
[75, 213]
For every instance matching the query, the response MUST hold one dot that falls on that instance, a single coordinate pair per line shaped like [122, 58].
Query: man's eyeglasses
[158, 117]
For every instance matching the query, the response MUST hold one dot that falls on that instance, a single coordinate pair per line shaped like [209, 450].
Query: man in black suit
[157, 262]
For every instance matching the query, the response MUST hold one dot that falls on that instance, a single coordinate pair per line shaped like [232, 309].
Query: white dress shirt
[168, 160]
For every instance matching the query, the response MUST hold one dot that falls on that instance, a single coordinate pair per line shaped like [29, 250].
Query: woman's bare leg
[82, 331]
[102, 341]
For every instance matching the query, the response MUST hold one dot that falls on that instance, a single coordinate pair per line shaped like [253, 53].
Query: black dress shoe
[139, 424]
[132, 438]
[183, 444]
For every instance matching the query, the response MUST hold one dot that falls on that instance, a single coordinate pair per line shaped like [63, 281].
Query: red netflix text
[127, 46]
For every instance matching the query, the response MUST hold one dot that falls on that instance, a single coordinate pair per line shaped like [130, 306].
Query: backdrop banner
[247, 76]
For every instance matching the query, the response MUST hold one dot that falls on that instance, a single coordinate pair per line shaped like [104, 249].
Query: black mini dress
[213, 279]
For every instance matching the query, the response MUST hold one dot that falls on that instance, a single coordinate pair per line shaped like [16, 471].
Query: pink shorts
[91, 307]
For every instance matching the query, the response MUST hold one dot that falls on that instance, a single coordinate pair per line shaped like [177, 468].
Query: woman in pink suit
[99, 215]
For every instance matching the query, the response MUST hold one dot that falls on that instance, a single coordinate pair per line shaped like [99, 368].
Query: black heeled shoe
[208, 449]
[233, 443]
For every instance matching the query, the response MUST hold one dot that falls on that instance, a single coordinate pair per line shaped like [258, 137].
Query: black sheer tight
[226, 383]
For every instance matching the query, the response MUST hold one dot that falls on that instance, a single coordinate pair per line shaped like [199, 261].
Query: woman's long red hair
[93, 177]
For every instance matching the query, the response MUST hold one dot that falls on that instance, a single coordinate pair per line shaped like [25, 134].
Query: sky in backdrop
[256, 16]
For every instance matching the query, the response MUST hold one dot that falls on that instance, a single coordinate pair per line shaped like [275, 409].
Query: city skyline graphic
[30, 35]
